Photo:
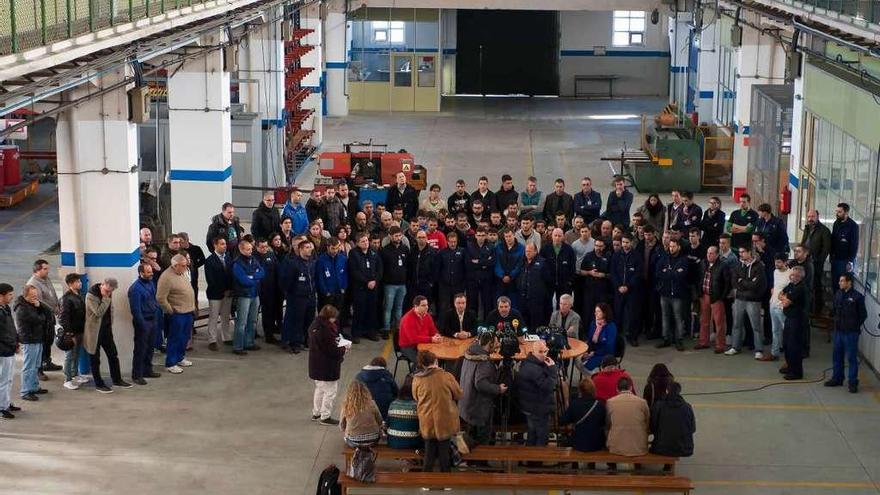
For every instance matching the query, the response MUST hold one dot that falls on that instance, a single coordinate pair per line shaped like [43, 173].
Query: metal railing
[26, 24]
[867, 10]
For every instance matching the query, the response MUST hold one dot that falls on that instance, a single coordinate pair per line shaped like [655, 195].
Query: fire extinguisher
[785, 201]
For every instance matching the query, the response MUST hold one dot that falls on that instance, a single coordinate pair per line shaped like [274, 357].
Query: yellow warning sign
[406, 167]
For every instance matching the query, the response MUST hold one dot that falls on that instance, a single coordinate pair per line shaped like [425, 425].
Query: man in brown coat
[628, 420]
[436, 393]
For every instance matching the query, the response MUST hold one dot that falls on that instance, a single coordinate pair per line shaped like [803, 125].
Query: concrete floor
[232, 425]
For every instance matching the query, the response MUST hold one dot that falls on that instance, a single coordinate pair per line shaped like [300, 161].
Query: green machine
[670, 156]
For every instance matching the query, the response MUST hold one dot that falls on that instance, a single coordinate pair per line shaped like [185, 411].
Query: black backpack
[328, 482]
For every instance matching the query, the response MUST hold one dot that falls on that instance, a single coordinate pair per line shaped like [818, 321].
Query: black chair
[398, 356]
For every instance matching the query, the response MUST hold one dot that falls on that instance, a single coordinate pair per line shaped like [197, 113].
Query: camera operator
[535, 385]
[504, 314]
[478, 381]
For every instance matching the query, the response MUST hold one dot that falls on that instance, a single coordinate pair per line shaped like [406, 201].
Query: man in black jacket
[749, 279]
[8, 346]
[218, 274]
[265, 218]
[506, 195]
[535, 384]
[794, 307]
[395, 262]
[534, 283]
[227, 226]
[271, 296]
[459, 322]
[817, 237]
[450, 272]
[365, 271]
[460, 200]
[479, 269]
[405, 195]
[421, 270]
[73, 320]
[557, 201]
[595, 270]
[560, 260]
[849, 315]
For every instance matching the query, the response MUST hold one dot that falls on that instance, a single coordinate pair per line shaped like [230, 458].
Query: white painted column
[679, 29]
[797, 137]
[98, 194]
[311, 19]
[708, 74]
[261, 89]
[199, 141]
[336, 64]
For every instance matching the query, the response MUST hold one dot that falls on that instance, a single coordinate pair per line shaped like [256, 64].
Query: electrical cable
[762, 387]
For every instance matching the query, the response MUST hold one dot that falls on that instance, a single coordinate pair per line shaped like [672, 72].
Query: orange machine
[371, 165]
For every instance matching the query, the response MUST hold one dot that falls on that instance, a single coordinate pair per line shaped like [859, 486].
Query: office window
[389, 31]
[629, 28]
[725, 91]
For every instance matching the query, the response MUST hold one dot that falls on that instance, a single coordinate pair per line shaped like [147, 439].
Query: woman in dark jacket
[381, 384]
[658, 383]
[673, 425]
[325, 361]
[588, 416]
[403, 419]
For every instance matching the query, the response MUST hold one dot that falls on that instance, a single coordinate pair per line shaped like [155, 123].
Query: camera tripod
[505, 376]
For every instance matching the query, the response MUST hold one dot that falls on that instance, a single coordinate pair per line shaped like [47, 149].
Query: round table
[450, 349]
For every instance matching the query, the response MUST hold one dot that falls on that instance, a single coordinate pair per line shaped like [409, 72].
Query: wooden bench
[511, 455]
[511, 481]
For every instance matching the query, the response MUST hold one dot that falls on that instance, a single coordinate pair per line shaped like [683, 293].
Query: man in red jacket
[417, 327]
[607, 377]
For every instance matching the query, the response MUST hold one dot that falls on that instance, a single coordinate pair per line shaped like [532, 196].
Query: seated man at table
[504, 315]
[459, 322]
[565, 318]
[417, 327]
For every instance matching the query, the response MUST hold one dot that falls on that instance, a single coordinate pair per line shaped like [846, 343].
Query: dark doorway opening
[507, 52]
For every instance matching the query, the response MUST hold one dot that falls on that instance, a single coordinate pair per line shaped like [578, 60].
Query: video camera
[556, 339]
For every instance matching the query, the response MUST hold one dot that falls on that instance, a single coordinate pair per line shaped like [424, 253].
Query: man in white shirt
[777, 319]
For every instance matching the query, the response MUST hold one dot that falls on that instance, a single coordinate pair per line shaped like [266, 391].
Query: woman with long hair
[316, 235]
[361, 419]
[325, 363]
[658, 384]
[654, 212]
[342, 234]
[601, 337]
[436, 392]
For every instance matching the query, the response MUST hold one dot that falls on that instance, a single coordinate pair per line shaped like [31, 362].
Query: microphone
[515, 324]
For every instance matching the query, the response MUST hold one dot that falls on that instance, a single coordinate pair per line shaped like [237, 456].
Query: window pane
[397, 24]
[637, 25]
[635, 38]
[397, 36]
[621, 39]
[380, 35]
[621, 24]
[621, 13]
[380, 24]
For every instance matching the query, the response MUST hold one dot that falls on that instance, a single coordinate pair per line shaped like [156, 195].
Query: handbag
[363, 465]
[63, 339]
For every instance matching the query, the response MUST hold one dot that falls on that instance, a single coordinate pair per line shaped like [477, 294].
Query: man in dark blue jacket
[773, 229]
[271, 296]
[844, 244]
[508, 263]
[849, 316]
[649, 250]
[218, 274]
[451, 272]
[405, 195]
[479, 268]
[332, 278]
[626, 275]
[560, 259]
[587, 202]
[672, 283]
[619, 202]
[533, 283]
[596, 269]
[421, 270]
[713, 222]
[395, 264]
[8, 346]
[246, 277]
[302, 298]
[535, 386]
[365, 271]
[145, 317]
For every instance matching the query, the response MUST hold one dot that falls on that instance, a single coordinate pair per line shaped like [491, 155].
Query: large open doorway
[507, 52]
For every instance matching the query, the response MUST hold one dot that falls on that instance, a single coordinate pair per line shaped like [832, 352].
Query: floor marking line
[787, 484]
[28, 213]
[785, 407]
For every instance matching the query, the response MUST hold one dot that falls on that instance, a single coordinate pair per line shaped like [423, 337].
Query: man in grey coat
[478, 382]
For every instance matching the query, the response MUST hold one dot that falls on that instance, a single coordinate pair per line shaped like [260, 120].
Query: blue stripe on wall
[201, 175]
[707, 94]
[267, 123]
[449, 51]
[793, 180]
[315, 89]
[676, 69]
[614, 53]
[103, 260]
[337, 65]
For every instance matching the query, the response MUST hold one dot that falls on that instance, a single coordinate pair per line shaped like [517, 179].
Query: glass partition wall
[393, 59]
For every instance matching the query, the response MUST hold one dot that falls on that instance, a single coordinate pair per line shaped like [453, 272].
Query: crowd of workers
[599, 269]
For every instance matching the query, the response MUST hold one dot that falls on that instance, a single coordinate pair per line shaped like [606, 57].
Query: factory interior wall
[519, 52]
[448, 42]
[854, 110]
[642, 71]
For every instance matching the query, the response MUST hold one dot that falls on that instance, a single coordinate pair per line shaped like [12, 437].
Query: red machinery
[367, 163]
[12, 190]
